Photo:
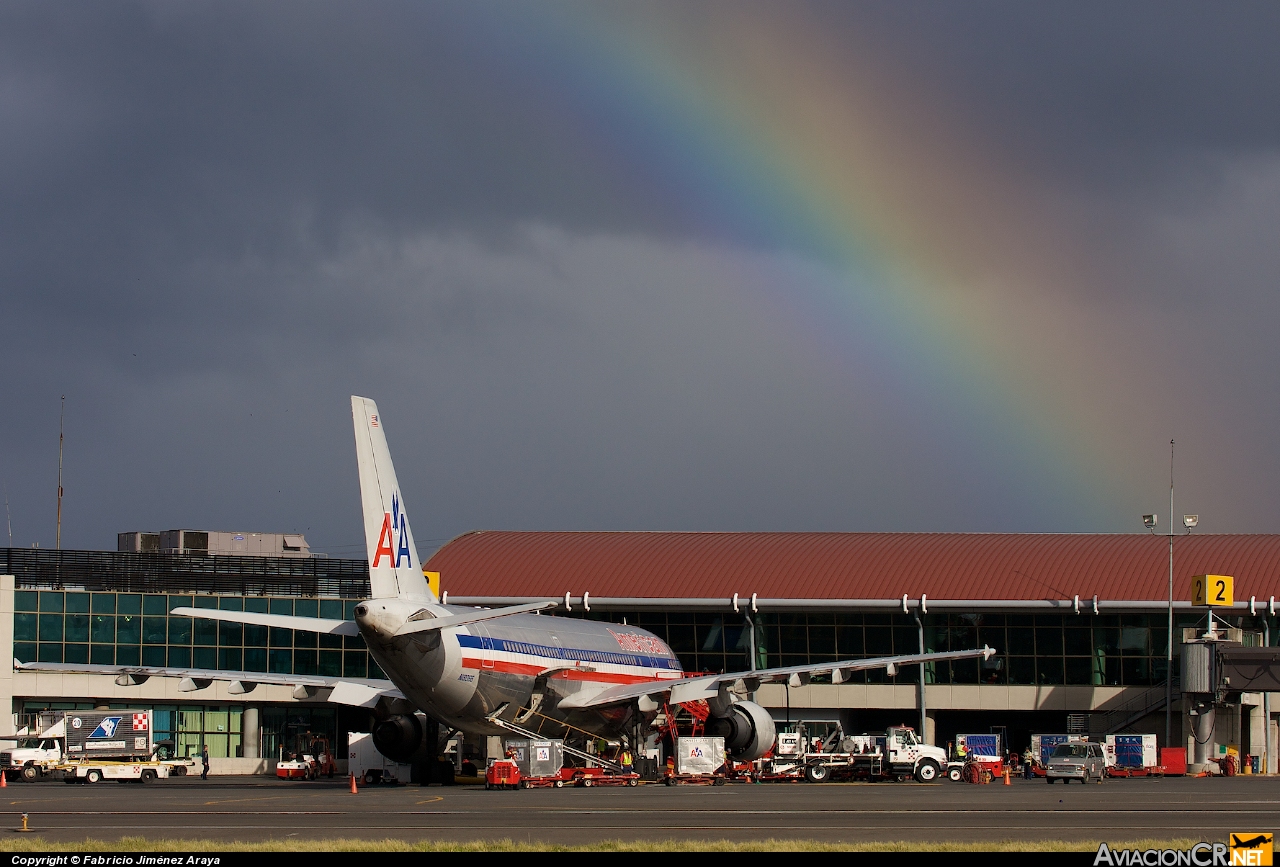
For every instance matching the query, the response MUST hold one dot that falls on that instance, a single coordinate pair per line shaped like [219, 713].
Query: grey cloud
[220, 220]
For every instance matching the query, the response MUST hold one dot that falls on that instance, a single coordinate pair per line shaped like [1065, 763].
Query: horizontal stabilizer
[280, 621]
[480, 614]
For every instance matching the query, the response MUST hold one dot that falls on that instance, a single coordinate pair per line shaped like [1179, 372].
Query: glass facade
[137, 629]
[1043, 649]
[110, 628]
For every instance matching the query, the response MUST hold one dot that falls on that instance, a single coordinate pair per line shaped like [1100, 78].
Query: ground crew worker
[1028, 760]
[625, 760]
[204, 759]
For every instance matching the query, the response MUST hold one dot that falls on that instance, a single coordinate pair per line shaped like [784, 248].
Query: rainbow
[908, 252]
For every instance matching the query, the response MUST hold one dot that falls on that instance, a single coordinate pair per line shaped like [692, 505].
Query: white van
[1079, 761]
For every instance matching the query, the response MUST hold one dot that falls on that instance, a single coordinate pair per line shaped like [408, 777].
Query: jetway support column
[1203, 721]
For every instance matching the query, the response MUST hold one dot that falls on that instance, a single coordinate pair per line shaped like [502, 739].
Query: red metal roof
[958, 566]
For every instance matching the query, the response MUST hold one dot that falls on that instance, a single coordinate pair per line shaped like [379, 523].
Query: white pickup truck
[31, 758]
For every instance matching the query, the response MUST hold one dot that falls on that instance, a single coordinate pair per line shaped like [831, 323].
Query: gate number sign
[1212, 591]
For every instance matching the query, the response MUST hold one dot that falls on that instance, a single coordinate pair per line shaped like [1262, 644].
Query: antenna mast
[61, 416]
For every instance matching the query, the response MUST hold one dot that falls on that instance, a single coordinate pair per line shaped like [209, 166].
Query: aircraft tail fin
[394, 567]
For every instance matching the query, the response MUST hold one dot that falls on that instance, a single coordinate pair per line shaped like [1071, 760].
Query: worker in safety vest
[625, 760]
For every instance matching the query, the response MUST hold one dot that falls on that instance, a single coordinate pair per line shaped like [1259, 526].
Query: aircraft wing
[348, 627]
[708, 686]
[357, 691]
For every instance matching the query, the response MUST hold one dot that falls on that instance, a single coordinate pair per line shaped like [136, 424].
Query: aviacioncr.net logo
[1199, 855]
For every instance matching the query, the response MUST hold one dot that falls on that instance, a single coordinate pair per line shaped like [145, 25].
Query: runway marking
[187, 813]
[567, 811]
[808, 830]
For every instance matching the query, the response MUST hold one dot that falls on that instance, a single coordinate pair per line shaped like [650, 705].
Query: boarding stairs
[1116, 720]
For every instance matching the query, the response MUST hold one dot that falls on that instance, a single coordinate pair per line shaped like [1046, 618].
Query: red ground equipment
[313, 758]
[502, 774]
[982, 769]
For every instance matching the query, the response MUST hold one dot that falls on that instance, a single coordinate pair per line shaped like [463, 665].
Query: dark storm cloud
[1113, 96]
[219, 220]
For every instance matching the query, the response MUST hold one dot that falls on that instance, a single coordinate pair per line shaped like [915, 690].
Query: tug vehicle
[313, 758]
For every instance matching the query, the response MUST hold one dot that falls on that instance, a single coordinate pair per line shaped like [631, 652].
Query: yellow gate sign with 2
[1212, 591]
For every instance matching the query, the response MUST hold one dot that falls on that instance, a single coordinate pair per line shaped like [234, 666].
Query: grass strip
[34, 843]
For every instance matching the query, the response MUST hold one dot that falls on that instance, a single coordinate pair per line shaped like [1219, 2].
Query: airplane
[499, 670]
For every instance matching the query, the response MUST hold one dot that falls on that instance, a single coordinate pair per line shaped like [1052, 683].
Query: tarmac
[256, 808]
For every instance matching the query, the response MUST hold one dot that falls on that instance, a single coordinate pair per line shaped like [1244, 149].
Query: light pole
[1188, 521]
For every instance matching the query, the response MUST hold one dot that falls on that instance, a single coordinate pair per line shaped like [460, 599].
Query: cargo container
[697, 760]
[987, 746]
[1132, 751]
[537, 758]
[115, 734]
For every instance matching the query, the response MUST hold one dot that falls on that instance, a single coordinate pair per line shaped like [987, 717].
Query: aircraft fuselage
[519, 667]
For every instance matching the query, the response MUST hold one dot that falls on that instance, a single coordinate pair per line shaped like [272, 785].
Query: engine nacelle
[400, 738]
[747, 729]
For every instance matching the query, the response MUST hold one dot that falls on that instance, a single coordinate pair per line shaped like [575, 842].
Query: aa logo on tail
[393, 540]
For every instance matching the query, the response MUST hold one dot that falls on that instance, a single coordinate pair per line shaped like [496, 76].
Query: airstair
[1115, 720]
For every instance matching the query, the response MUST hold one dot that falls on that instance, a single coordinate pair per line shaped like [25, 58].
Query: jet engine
[400, 738]
[747, 729]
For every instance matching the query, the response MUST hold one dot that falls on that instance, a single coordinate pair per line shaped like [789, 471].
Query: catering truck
[110, 745]
[895, 755]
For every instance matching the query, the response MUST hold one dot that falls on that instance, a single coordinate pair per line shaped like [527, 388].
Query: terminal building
[1080, 623]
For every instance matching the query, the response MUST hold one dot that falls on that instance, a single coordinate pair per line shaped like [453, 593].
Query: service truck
[110, 745]
[895, 755]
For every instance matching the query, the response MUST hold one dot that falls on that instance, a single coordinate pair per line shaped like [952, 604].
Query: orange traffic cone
[354, 790]
[4, 780]
[1006, 777]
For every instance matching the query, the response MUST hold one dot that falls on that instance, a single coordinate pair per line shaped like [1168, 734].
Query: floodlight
[1149, 521]
[1190, 521]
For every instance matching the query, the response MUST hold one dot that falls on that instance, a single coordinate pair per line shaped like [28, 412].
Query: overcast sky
[587, 261]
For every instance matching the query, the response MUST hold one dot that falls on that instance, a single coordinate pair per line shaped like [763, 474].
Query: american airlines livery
[491, 671]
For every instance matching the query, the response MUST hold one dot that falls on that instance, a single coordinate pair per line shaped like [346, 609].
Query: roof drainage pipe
[720, 603]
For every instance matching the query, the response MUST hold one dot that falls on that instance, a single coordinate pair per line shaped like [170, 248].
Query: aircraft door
[486, 647]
